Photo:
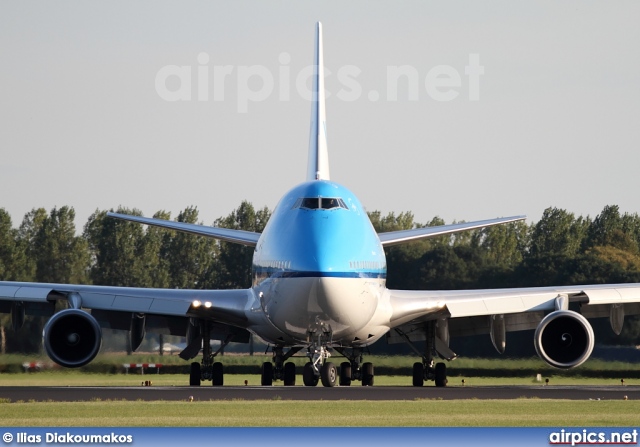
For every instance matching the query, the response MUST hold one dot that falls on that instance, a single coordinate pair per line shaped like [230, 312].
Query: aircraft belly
[300, 306]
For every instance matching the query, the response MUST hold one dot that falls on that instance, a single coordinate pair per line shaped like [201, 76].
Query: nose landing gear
[318, 368]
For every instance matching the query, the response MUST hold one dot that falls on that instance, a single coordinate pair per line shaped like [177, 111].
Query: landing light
[207, 304]
[197, 303]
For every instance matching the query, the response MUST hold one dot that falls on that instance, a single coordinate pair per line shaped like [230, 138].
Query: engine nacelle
[72, 338]
[564, 339]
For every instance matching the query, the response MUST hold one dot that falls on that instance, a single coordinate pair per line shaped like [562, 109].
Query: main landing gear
[427, 369]
[279, 370]
[208, 369]
[318, 369]
[354, 369]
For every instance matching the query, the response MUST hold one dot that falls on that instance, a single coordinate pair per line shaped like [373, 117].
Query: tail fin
[318, 164]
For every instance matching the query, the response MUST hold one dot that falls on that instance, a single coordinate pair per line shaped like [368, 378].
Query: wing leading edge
[247, 238]
[224, 306]
[410, 305]
[399, 237]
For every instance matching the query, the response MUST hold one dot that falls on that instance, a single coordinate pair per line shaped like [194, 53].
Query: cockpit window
[320, 203]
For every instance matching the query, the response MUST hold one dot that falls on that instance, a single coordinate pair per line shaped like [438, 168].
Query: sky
[163, 105]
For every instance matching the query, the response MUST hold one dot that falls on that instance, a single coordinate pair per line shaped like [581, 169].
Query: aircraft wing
[399, 237]
[498, 311]
[248, 238]
[114, 306]
[410, 305]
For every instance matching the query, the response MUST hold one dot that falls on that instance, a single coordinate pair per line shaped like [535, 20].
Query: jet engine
[564, 339]
[72, 338]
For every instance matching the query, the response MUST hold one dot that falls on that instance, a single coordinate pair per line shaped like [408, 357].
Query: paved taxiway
[203, 393]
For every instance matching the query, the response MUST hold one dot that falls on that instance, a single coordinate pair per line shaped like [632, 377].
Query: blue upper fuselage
[319, 229]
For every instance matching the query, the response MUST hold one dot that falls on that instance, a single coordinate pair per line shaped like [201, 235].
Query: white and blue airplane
[319, 274]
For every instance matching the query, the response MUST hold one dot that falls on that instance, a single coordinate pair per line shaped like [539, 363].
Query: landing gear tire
[441, 375]
[418, 374]
[309, 377]
[266, 374]
[289, 374]
[367, 374]
[195, 374]
[345, 374]
[329, 375]
[217, 374]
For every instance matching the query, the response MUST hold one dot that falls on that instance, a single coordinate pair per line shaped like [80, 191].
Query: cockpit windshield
[320, 203]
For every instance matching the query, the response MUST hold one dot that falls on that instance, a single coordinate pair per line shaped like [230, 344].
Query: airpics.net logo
[254, 83]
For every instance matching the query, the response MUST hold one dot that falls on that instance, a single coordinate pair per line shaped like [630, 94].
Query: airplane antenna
[318, 165]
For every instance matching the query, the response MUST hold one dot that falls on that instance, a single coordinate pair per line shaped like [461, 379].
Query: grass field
[77, 378]
[276, 412]
[418, 413]
[396, 361]
[235, 413]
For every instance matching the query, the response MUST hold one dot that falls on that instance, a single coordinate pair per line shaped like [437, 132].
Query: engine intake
[564, 339]
[72, 338]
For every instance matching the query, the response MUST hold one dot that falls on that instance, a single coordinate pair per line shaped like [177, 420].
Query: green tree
[189, 258]
[558, 233]
[234, 261]
[155, 264]
[27, 233]
[8, 247]
[391, 222]
[504, 246]
[610, 228]
[446, 267]
[117, 250]
[60, 255]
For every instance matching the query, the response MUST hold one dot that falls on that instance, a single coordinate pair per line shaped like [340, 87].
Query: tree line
[559, 249]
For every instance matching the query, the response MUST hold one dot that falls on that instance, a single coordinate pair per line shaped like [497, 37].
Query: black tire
[329, 375]
[441, 374]
[217, 374]
[367, 374]
[309, 377]
[266, 374]
[289, 374]
[418, 374]
[345, 374]
[195, 374]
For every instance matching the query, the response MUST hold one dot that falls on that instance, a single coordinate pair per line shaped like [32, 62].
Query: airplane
[319, 285]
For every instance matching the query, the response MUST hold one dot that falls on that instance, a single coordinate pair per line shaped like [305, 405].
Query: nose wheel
[329, 374]
[309, 376]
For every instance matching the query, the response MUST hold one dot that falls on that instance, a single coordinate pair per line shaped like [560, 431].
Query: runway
[383, 393]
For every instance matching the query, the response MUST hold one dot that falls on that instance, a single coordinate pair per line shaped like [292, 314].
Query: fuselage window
[322, 203]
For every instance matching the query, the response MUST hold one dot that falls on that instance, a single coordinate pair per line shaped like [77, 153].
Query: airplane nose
[305, 305]
[346, 304]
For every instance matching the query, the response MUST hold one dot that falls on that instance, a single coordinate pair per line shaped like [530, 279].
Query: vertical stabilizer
[318, 165]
